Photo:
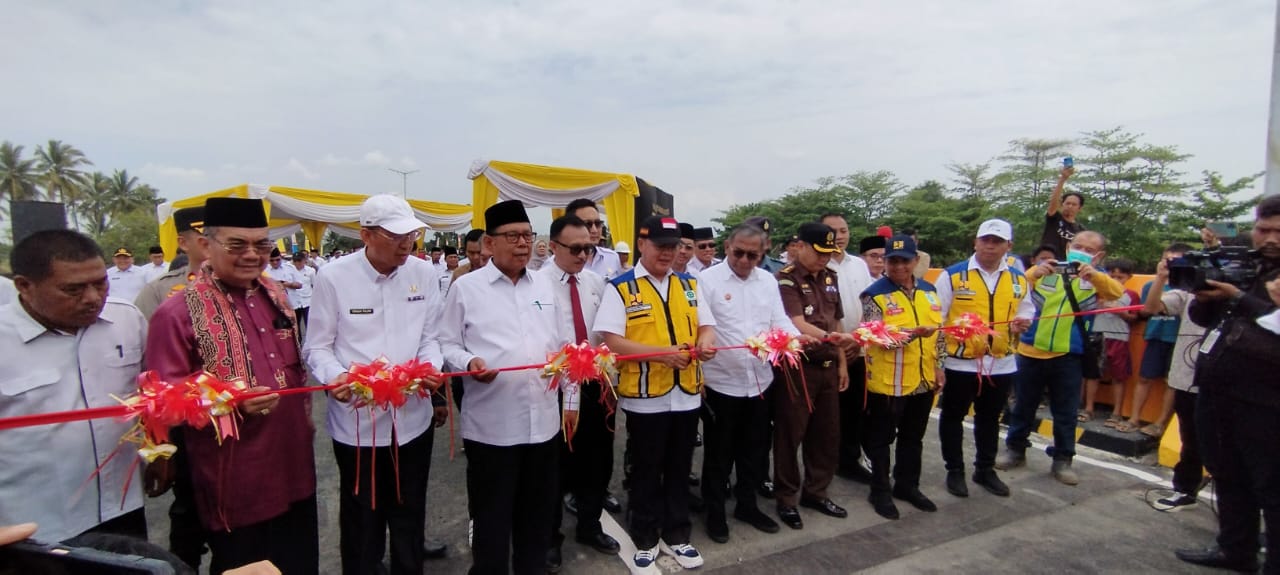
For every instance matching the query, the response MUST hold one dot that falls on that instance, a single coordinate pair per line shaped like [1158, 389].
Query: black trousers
[186, 535]
[1237, 440]
[302, 314]
[1188, 473]
[903, 419]
[988, 397]
[661, 445]
[585, 469]
[512, 492]
[852, 408]
[290, 541]
[363, 522]
[736, 433]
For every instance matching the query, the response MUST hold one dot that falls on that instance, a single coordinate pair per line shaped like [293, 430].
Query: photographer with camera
[1239, 404]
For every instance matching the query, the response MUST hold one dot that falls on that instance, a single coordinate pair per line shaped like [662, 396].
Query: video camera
[1234, 265]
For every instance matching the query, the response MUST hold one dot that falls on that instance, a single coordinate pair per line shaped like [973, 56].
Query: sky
[716, 102]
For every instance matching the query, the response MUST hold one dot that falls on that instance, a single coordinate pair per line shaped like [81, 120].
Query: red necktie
[579, 324]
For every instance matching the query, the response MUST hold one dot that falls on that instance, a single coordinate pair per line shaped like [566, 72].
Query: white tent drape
[512, 189]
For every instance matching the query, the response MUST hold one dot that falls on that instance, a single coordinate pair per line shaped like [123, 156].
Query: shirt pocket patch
[28, 381]
[122, 356]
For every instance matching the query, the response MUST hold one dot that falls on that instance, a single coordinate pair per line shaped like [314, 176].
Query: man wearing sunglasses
[704, 249]
[605, 261]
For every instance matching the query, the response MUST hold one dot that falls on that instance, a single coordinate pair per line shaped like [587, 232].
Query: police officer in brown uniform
[811, 297]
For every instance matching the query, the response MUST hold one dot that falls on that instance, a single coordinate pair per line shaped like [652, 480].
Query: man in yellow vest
[901, 380]
[979, 370]
[651, 309]
[1051, 351]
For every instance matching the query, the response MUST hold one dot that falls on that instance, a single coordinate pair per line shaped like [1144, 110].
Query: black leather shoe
[1214, 557]
[696, 504]
[956, 485]
[790, 517]
[883, 504]
[988, 479]
[611, 503]
[857, 472]
[601, 542]
[571, 504]
[434, 549]
[916, 499]
[757, 519]
[717, 527]
[553, 559]
[825, 507]
[766, 490]
[693, 480]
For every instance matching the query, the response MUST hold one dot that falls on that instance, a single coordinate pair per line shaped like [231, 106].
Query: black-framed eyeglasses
[749, 256]
[515, 237]
[399, 238]
[593, 223]
[706, 245]
[578, 249]
[240, 247]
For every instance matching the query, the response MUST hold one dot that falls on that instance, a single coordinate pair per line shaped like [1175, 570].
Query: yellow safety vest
[900, 371]
[652, 321]
[971, 294]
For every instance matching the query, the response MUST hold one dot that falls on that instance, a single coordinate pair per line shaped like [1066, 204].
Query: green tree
[1214, 201]
[59, 170]
[17, 175]
[1022, 188]
[96, 203]
[974, 182]
[135, 229]
[945, 225]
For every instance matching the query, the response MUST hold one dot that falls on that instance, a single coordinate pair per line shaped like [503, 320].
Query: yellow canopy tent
[311, 211]
[494, 181]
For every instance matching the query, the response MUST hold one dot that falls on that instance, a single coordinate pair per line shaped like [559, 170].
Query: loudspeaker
[30, 217]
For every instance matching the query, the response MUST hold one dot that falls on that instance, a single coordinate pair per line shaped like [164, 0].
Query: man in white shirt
[66, 346]
[282, 273]
[501, 316]
[8, 293]
[704, 249]
[605, 261]
[585, 470]
[852, 277]
[450, 264]
[126, 279]
[379, 302]
[156, 266]
[652, 309]
[745, 302]
[300, 297]
[684, 252]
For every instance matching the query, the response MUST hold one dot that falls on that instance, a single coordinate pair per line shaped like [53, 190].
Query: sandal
[1153, 431]
[1113, 421]
[1126, 427]
[1084, 416]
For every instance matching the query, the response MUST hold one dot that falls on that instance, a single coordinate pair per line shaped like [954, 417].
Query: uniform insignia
[786, 282]
[833, 289]
[828, 280]
[808, 310]
[970, 293]
[413, 289]
[178, 287]
[417, 297]
[690, 295]
[360, 311]
[639, 308]
[932, 297]
[787, 270]
[1017, 290]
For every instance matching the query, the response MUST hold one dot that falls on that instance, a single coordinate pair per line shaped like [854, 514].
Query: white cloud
[172, 172]
[297, 167]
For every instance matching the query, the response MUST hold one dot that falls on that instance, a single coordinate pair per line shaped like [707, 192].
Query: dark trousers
[661, 445]
[900, 419]
[302, 314]
[852, 406]
[736, 432]
[363, 522]
[585, 469]
[131, 524]
[1063, 376]
[1237, 439]
[512, 494]
[289, 541]
[186, 535]
[1188, 473]
[817, 433]
[988, 397]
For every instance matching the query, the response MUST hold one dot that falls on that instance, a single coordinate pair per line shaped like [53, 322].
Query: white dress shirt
[357, 315]
[612, 318]
[301, 297]
[696, 265]
[606, 263]
[590, 290]
[154, 271]
[852, 278]
[46, 470]
[8, 293]
[991, 365]
[743, 309]
[126, 284]
[506, 324]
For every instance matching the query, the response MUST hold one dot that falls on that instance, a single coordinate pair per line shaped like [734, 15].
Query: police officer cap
[818, 235]
[189, 219]
[760, 222]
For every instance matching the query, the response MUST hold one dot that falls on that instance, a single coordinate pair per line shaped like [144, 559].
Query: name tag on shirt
[361, 311]
[417, 297]
[639, 307]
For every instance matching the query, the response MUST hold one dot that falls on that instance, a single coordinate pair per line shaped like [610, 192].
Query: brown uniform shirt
[162, 288]
[816, 296]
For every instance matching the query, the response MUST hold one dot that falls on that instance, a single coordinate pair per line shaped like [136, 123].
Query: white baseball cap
[389, 213]
[998, 228]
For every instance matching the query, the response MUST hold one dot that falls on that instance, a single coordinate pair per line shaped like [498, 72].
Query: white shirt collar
[973, 264]
[28, 328]
[641, 272]
[371, 272]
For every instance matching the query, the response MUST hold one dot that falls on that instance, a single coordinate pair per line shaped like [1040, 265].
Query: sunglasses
[593, 224]
[744, 254]
[706, 245]
[578, 249]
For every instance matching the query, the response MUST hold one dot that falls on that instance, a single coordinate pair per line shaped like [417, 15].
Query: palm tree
[17, 175]
[123, 190]
[95, 203]
[59, 164]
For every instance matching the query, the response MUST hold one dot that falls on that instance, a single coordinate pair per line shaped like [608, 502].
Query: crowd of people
[241, 310]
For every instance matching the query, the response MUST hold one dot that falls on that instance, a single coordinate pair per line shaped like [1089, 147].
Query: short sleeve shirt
[1059, 233]
[815, 296]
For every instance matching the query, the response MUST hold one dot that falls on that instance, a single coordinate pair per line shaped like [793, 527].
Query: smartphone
[1223, 229]
[26, 557]
[1068, 162]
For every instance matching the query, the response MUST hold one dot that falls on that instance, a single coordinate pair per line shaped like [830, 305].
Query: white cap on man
[998, 228]
[389, 213]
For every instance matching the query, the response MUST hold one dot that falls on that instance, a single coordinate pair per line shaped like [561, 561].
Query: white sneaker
[644, 558]
[1175, 502]
[471, 531]
[685, 554]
